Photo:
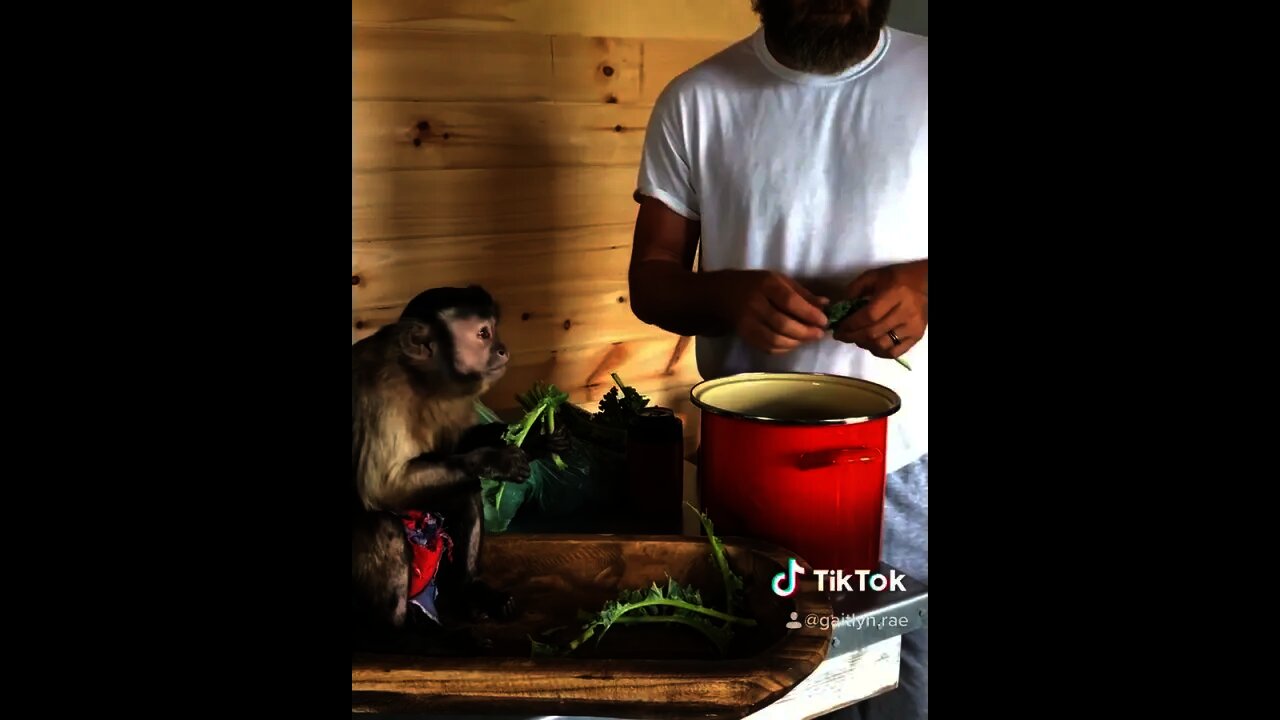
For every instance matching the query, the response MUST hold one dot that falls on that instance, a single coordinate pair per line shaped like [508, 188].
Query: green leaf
[516, 433]
[838, 311]
[540, 402]
[485, 414]
[542, 649]
[560, 492]
[717, 635]
[502, 500]
[620, 405]
[732, 582]
[673, 604]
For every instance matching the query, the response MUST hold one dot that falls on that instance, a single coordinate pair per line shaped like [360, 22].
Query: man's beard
[822, 44]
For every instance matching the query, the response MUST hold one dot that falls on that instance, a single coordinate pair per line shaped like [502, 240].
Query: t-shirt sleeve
[665, 173]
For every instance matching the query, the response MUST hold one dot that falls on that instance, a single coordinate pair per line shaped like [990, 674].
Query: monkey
[418, 453]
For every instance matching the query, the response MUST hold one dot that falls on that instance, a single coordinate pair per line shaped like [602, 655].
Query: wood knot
[524, 316]
[424, 128]
[355, 279]
[567, 324]
[607, 70]
[617, 128]
[621, 299]
[445, 136]
[359, 324]
[612, 99]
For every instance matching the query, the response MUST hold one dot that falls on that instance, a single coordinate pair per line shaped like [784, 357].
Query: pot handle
[827, 458]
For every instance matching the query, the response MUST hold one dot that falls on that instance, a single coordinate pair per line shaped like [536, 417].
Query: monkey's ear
[415, 340]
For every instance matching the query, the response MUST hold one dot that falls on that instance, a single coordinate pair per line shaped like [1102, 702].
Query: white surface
[840, 681]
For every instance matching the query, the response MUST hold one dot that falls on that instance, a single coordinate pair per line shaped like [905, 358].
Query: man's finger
[764, 339]
[844, 333]
[901, 349]
[881, 345]
[864, 284]
[879, 310]
[815, 300]
[786, 326]
[885, 342]
[786, 300]
[879, 330]
[856, 328]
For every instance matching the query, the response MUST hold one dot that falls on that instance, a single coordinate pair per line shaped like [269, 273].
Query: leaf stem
[717, 640]
[687, 606]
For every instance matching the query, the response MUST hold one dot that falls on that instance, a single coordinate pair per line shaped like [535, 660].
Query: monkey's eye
[484, 333]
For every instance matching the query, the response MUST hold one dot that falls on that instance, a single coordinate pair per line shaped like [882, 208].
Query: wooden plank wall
[497, 142]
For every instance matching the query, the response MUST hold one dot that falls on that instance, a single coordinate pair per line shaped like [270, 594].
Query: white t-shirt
[818, 177]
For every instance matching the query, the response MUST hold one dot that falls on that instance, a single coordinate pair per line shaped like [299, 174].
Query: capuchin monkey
[417, 456]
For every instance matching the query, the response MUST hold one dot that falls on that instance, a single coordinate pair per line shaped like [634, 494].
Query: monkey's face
[457, 351]
[478, 351]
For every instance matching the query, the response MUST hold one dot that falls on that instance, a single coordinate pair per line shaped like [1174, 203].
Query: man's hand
[770, 311]
[898, 312]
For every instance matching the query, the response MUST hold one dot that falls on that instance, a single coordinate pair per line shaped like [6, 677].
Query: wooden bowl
[641, 671]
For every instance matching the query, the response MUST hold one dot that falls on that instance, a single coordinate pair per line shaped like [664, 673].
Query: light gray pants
[906, 547]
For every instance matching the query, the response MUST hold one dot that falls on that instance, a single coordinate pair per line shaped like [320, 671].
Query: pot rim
[893, 397]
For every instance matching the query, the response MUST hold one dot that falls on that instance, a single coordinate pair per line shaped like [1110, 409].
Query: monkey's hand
[511, 464]
[541, 446]
[481, 436]
[505, 463]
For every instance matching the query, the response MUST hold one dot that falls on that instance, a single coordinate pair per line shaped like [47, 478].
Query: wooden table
[863, 661]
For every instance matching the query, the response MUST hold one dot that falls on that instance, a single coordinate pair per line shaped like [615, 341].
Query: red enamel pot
[797, 459]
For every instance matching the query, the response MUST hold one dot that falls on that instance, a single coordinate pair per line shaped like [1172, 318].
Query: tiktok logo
[839, 580]
[793, 569]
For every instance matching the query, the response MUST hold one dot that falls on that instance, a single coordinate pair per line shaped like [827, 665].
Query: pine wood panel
[545, 104]
[701, 19]
[677, 398]
[391, 272]
[546, 317]
[398, 64]
[664, 60]
[432, 203]
[439, 135]
[583, 372]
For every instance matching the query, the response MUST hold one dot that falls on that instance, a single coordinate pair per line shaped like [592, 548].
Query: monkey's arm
[536, 445]
[432, 476]
[482, 436]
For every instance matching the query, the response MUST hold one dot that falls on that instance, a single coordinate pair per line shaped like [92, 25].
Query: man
[794, 166]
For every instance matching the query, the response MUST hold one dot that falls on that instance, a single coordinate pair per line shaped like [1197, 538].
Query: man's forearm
[678, 300]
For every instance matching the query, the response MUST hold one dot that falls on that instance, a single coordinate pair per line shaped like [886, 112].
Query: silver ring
[894, 337]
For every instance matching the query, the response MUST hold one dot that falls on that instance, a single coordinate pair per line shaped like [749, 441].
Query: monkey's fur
[416, 445]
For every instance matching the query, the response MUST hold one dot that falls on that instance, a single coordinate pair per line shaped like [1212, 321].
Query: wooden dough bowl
[635, 671]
